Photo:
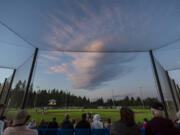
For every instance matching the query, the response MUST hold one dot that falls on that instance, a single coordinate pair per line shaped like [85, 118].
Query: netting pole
[176, 90]
[6, 98]
[171, 89]
[4, 84]
[158, 82]
[29, 79]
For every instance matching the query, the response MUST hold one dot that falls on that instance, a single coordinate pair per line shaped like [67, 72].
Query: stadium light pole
[30, 78]
[158, 82]
[141, 93]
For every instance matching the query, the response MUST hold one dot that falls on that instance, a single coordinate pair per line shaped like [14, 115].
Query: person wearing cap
[19, 125]
[158, 124]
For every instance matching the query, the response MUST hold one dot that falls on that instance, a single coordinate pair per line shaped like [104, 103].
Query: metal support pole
[172, 92]
[3, 87]
[158, 82]
[176, 90]
[8, 91]
[29, 79]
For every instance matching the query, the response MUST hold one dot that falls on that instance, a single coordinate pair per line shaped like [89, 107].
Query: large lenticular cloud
[92, 70]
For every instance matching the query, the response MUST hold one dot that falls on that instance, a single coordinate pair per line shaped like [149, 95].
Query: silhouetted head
[54, 119]
[145, 120]
[67, 116]
[109, 120]
[127, 116]
[84, 116]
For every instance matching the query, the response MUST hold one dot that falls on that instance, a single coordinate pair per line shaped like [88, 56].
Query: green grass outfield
[114, 114]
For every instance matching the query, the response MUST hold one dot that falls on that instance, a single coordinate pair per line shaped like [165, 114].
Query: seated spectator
[32, 124]
[53, 123]
[177, 121]
[66, 124]
[10, 123]
[19, 125]
[145, 123]
[2, 118]
[83, 123]
[43, 124]
[96, 122]
[89, 116]
[108, 124]
[158, 124]
[126, 125]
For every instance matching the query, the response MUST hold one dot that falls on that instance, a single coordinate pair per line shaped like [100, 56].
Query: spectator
[158, 124]
[145, 122]
[53, 123]
[10, 123]
[89, 116]
[32, 124]
[2, 118]
[19, 125]
[83, 123]
[96, 122]
[177, 121]
[126, 125]
[108, 124]
[43, 124]
[66, 124]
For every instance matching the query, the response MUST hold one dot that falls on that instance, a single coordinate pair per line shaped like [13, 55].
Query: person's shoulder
[116, 122]
[9, 130]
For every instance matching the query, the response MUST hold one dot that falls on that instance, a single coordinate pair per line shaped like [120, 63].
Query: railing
[80, 131]
[59, 131]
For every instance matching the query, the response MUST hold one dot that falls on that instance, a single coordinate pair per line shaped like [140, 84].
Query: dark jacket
[66, 124]
[161, 126]
[83, 124]
[53, 124]
[43, 125]
[119, 128]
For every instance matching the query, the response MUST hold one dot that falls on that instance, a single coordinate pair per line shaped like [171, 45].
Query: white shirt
[97, 124]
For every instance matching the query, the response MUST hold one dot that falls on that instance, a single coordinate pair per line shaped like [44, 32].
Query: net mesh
[19, 84]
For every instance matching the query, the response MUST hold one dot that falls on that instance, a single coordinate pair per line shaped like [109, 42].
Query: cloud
[92, 70]
[49, 57]
[60, 69]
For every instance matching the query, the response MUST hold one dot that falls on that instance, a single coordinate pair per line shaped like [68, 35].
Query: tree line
[40, 98]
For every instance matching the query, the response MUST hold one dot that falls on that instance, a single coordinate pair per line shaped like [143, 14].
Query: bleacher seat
[65, 132]
[142, 130]
[98, 131]
[82, 131]
[41, 131]
[107, 131]
[54, 131]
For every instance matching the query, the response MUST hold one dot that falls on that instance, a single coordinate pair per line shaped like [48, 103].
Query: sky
[92, 48]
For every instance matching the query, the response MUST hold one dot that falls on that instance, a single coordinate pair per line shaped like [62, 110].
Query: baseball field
[75, 114]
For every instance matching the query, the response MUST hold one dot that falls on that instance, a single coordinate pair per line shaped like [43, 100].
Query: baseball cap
[157, 106]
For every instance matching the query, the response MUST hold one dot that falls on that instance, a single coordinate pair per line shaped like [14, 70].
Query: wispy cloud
[49, 57]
